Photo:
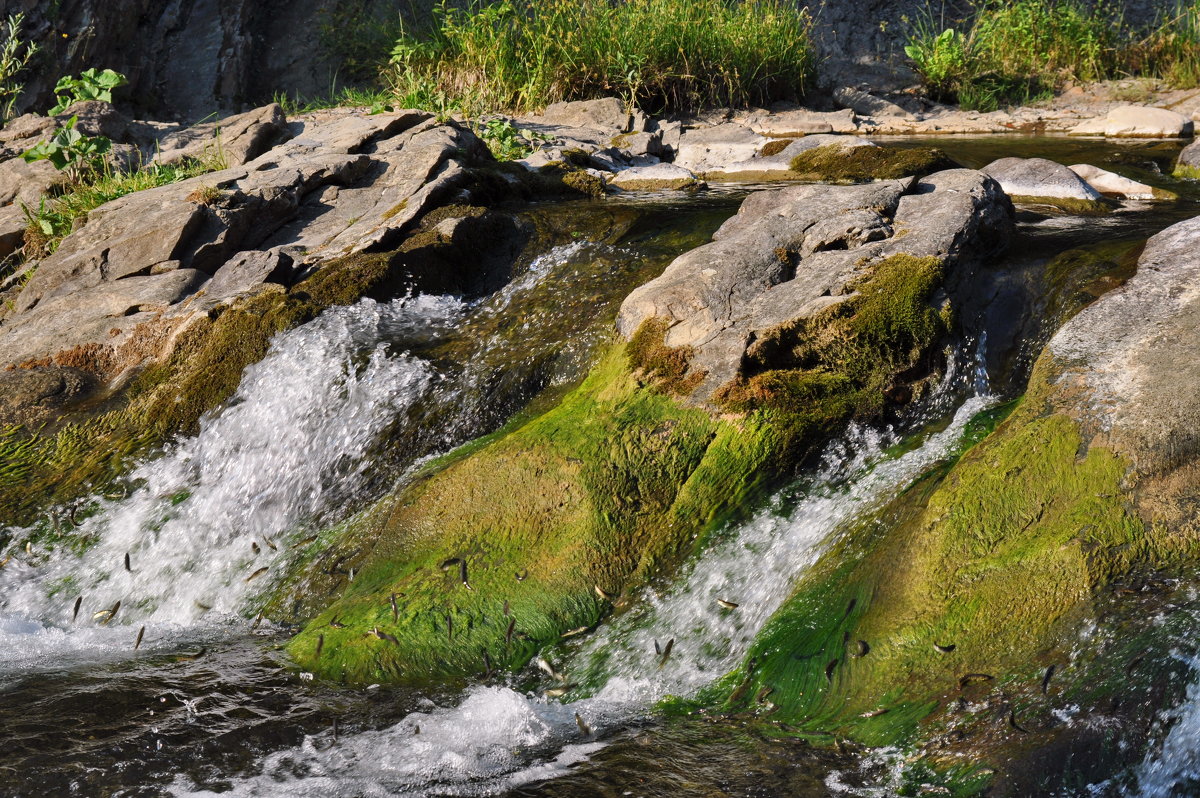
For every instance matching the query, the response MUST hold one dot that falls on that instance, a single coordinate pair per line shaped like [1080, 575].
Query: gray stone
[802, 122]
[864, 104]
[607, 115]
[1111, 184]
[1190, 156]
[708, 148]
[719, 299]
[1039, 178]
[1137, 121]
[236, 140]
[31, 395]
[657, 177]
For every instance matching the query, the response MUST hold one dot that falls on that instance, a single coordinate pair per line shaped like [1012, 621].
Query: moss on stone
[1185, 172]
[774, 147]
[602, 490]
[1067, 205]
[662, 184]
[666, 366]
[836, 163]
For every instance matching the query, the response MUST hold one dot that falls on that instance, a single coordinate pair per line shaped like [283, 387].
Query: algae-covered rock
[739, 303]
[1040, 181]
[659, 177]
[986, 573]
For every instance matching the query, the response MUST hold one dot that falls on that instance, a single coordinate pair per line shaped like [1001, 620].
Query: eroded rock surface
[792, 253]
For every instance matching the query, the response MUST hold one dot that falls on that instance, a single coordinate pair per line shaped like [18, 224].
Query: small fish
[195, 655]
[320, 645]
[729, 605]
[75, 612]
[576, 631]
[487, 664]
[138, 643]
[602, 594]
[29, 547]
[382, 635]
[522, 575]
[350, 575]
[449, 627]
[1012, 721]
[973, 677]
[127, 565]
[395, 608]
[336, 624]
[874, 713]
[558, 692]
[945, 649]
[1046, 679]
[549, 669]
[270, 543]
[1133, 663]
[833, 663]
[512, 624]
[860, 649]
[416, 729]
[254, 548]
[505, 610]
[74, 521]
[112, 613]
[850, 607]
[202, 606]
[763, 693]
[445, 566]
[257, 574]
[657, 649]
[334, 732]
[302, 544]
[666, 654]
[584, 729]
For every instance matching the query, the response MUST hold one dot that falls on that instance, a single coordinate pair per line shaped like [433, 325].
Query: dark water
[133, 725]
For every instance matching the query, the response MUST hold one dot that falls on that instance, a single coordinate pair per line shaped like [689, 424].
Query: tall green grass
[521, 55]
[1017, 51]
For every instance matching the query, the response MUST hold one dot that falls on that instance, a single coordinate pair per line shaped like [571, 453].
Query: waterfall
[496, 738]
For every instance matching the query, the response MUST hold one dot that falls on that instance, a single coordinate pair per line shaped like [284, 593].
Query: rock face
[792, 253]
[237, 139]
[159, 257]
[1137, 121]
[1188, 164]
[1039, 178]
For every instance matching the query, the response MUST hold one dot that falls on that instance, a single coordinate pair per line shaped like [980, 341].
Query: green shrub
[14, 57]
[91, 84]
[521, 55]
[1014, 52]
[70, 152]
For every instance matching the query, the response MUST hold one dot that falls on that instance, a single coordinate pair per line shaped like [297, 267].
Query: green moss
[1185, 172]
[851, 359]
[668, 367]
[602, 490]
[1067, 205]
[836, 163]
[674, 184]
[775, 147]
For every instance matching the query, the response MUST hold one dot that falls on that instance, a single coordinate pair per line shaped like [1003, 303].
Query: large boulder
[1137, 121]
[735, 305]
[710, 148]
[1111, 184]
[1188, 164]
[607, 115]
[1040, 179]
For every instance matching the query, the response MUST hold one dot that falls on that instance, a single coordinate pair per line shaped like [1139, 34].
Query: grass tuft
[520, 55]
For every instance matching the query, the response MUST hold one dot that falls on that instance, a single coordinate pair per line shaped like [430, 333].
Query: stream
[134, 661]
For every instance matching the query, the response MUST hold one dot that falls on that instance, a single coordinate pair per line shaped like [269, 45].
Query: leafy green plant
[90, 85]
[70, 152]
[15, 54]
[656, 54]
[506, 141]
[940, 58]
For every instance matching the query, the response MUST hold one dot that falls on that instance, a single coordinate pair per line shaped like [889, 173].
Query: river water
[207, 704]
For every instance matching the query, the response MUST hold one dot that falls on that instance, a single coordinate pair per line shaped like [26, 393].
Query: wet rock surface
[792, 253]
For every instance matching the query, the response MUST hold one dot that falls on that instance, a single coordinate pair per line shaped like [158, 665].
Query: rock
[1188, 164]
[658, 177]
[792, 124]
[670, 134]
[607, 115]
[1137, 121]
[864, 104]
[709, 148]
[30, 396]
[1038, 178]
[1111, 184]
[167, 255]
[237, 139]
[773, 160]
[790, 254]
[12, 230]
[96, 118]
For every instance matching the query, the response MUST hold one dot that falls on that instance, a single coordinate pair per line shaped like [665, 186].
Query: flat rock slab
[791, 124]
[1137, 121]
[1111, 184]
[658, 177]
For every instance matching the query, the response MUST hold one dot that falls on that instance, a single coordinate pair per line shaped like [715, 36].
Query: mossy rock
[834, 163]
[601, 493]
[1068, 206]
[1185, 172]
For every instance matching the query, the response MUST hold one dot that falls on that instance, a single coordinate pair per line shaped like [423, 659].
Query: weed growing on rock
[14, 57]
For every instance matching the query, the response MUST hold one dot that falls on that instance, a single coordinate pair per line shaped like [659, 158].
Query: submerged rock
[659, 177]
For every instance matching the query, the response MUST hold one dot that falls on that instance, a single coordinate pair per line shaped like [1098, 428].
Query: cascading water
[207, 524]
[497, 738]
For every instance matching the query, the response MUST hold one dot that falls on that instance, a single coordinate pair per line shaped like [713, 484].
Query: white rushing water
[206, 516]
[1174, 768]
[496, 738]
